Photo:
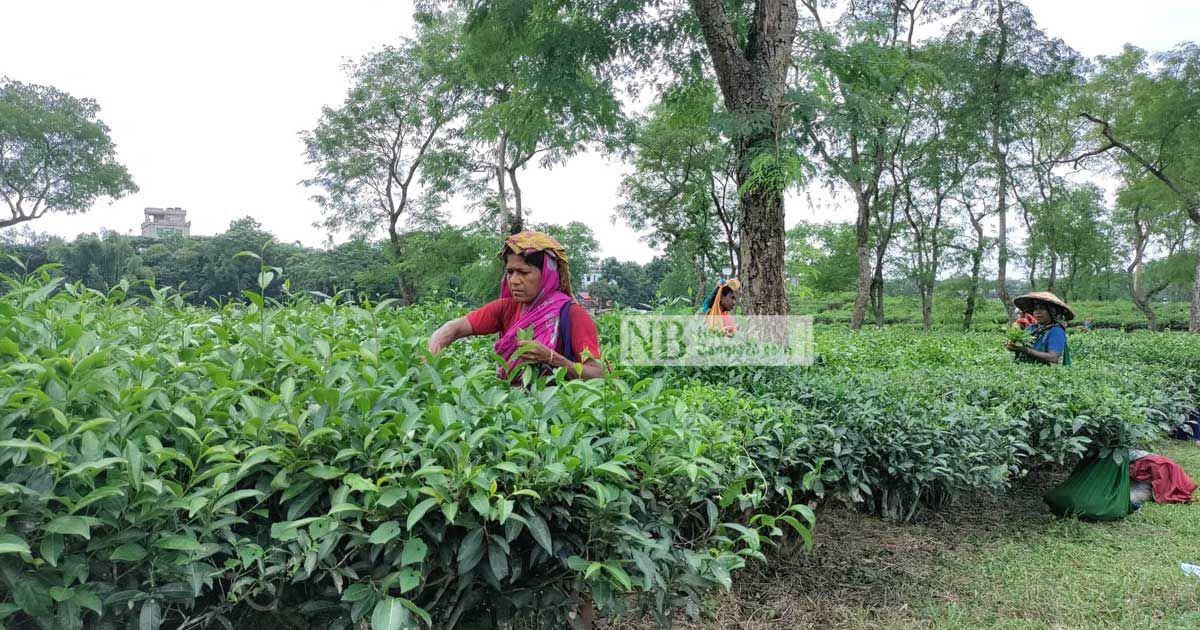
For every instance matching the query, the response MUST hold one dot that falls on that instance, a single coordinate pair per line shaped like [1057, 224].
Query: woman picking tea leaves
[535, 299]
[1047, 342]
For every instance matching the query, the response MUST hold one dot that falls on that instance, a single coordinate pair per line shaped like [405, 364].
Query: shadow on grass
[982, 562]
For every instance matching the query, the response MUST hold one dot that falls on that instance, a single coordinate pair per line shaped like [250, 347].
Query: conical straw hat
[1026, 302]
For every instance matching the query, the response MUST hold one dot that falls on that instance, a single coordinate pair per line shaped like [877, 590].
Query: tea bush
[309, 465]
[836, 308]
[169, 466]
[896, 419]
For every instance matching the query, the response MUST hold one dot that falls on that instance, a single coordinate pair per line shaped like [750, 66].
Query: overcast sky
[205, 100]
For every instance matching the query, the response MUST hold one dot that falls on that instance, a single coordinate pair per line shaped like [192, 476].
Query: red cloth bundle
[1169, 482]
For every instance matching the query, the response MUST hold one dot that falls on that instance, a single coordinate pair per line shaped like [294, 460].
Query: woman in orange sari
[718, 307]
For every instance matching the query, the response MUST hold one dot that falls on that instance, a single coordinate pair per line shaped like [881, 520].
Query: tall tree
[751, 63]
[959, 159]
[976, 244]
[1149, 116]
[580, 242]
[1147, 217]
[374, 154]
[103, 262]
[1007, 49]
[541, 86]
[55, 153]
[852, 111]
[1045, 132]
[821, 256]
[927, 173]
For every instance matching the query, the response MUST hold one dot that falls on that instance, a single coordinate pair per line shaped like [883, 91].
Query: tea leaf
[11, 543]
[385, 533]
[70, 525]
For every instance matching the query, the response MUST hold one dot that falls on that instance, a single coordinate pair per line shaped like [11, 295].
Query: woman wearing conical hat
[535, 296]
[718, 307]
[1049, 331]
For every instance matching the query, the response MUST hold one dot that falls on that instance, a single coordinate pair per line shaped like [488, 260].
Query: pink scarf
[541, 315]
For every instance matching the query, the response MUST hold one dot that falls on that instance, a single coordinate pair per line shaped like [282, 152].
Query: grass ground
[984, 562]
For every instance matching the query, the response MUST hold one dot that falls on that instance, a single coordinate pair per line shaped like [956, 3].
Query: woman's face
[1041, 312]
[524, 280]
[728, 299]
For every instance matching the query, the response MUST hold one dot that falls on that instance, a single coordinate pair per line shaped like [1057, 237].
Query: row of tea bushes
[309, 465]
[895, 419]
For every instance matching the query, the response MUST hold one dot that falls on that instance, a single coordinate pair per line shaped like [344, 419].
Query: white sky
[205, 101]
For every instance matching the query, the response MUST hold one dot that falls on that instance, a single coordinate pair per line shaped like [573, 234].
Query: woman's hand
[1015, 348]
[439, 340]
[450, 332]
[537, 352]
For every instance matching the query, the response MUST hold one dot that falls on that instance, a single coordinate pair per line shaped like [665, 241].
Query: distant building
[161, 222]
[589, 278]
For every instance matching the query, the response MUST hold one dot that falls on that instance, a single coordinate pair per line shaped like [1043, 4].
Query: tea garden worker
[1049, 333]
[718, 306]
[535, 295]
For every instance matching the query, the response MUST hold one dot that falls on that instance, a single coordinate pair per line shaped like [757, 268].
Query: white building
[589, 278]
[161, 222]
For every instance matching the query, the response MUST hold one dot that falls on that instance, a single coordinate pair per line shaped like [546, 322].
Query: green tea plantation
[307, 464]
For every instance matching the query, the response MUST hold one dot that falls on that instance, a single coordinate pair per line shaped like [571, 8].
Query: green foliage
[683, 190]
[834, 308]
[55, 153]
[1018, 336]
[310, 464]
[375, 154]
[1151, 104]
[439, 262]
[633, 285]
[897, 420]
[580, 242]
[772, 174]
[821, 257]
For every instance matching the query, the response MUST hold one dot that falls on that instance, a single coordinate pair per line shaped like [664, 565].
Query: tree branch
[721, 43]
[1190, 204]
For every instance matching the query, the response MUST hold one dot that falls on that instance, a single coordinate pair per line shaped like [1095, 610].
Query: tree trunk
[728, 227]
[865, 280]
[518, 216]
[752, 83]
[1069, 286]
[999, 109]
[885, 238]
[702, 282]
[501, 181]
[407, 293]
[762, 253]
[976, 265]
[735, 256]
[1194, 324]
[1002, 211]
[1141, 302]
[1134, 271]
[877, 294]
[1053, 271]
[927, 307]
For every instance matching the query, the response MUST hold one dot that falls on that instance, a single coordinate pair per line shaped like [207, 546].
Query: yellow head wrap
[529, 241]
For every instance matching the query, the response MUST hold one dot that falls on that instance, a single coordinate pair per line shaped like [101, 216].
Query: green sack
[1098, 489]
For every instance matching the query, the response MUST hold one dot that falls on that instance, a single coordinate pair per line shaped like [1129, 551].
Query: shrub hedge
[310, 465]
